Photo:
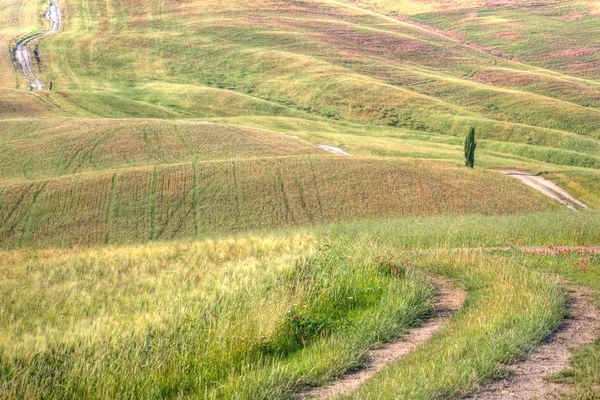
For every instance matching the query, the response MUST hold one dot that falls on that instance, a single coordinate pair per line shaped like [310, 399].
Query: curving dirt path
[22, 54]
[449, 300]
[334, 150]
[546, 187]
[527, 380]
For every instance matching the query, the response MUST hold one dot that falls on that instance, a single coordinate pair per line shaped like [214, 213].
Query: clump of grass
[287, 322]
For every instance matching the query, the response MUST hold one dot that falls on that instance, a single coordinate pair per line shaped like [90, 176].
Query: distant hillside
[193, 200]
[182, 119]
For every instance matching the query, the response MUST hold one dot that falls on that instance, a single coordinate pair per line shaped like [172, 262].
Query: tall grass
[256, 326]
[264, 317]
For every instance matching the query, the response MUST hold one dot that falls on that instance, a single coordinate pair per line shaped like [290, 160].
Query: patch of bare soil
[528, 378]
[547, 188]
[22, 54]
[449, 300]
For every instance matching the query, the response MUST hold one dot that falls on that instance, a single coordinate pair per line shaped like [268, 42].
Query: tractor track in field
[22, 53]
[448, 300]
[547, 188]
[528, 379]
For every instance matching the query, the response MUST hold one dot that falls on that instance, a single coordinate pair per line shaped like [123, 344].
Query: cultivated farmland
[268, 199]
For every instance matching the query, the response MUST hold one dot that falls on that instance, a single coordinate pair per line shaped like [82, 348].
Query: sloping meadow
[193, 200]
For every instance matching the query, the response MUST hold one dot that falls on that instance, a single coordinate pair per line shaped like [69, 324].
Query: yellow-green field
[172, 227]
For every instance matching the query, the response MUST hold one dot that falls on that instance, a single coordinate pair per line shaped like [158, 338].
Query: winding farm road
[334, 150]
[449, 300]
[22, 53]
[546, 187]
[528, 377]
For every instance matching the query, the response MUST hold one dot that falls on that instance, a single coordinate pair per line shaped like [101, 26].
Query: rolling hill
[143, 86]
[243, 199]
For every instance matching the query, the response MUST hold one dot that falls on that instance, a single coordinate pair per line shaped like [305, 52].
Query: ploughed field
[253, 199]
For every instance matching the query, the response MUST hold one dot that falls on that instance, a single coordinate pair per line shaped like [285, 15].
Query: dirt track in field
[449, 300]
[334, 150]
[546, 187]
[528, 378]
[22, 53]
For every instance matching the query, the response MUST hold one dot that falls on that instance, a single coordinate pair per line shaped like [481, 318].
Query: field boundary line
[110, 208]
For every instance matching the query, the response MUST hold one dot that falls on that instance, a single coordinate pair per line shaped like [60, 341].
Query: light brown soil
[22, 53]
[528, 378]
[449, 299]
[546, 187]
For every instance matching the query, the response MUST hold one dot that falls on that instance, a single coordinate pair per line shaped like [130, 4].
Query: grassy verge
[232, 319]
[475, 231]
[582, 267]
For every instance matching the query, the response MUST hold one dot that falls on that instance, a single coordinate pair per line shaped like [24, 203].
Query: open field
[167, 341]
[323, 60]
[251, 199]
[136, 205]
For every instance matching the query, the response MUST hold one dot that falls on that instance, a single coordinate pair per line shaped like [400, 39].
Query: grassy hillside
[197, 199]
[325, 59]
[37, 148]
[182, 119]
[171, 225]
[185, 319]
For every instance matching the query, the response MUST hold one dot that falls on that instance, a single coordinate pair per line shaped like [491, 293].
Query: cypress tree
[470, 146]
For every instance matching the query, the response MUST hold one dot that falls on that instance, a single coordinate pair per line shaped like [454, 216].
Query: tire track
[22, 53]
[528, 378]
[449, 300]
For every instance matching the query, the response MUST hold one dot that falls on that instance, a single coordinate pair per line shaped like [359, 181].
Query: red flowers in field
[389, 267]
[588, 255]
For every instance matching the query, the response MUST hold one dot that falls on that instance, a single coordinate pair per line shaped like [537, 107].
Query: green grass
[580, 266]
[216, 318]
[313, 318]
[173, 125]
[509, 312]
[189, 200]
[347, 64]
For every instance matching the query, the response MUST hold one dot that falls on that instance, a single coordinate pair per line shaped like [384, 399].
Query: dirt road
[334, 150]
[528, 378]
[22, 53]
[449, 300]
[547, 188]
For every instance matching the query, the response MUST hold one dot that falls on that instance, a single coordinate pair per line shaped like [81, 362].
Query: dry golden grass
[130, 280]
[38, 148]
[214, 197]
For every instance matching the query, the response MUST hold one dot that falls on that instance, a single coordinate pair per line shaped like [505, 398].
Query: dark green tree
[470, 146]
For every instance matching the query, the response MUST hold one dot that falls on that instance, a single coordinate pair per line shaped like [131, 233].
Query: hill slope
[155, 104]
